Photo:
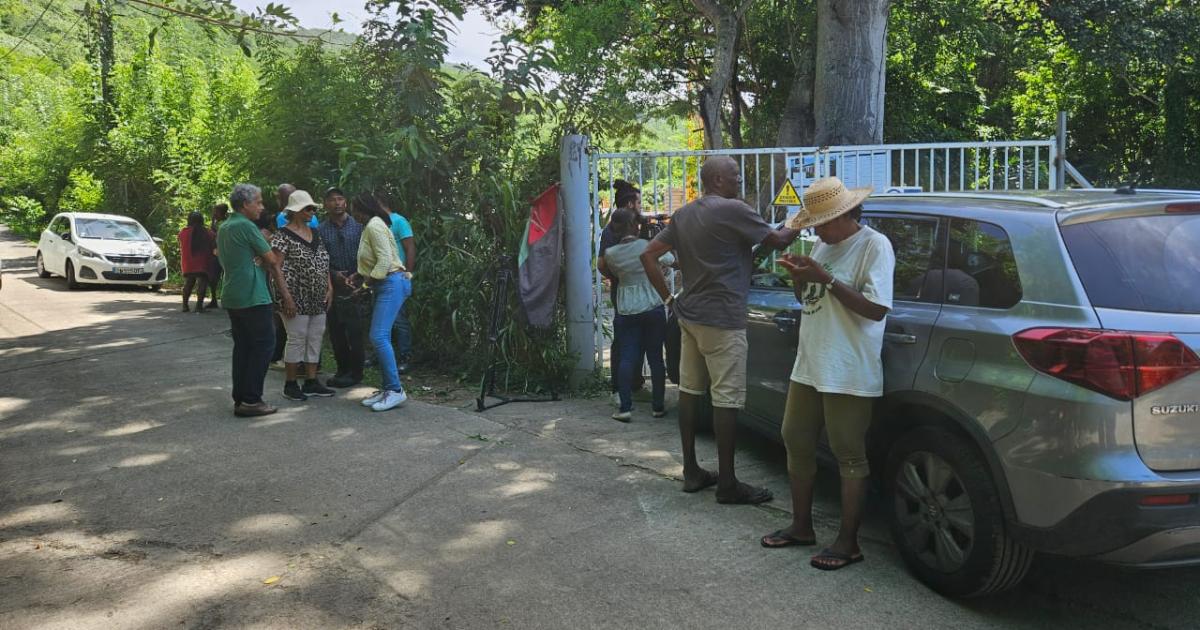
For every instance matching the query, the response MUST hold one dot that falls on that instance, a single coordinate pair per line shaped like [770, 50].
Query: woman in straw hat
[304, 296]
[845, 292]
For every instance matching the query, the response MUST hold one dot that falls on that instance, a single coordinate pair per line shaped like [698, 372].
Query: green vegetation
[191, 114]
[189, 108]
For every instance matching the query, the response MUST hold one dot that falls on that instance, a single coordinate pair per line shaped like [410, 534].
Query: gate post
[1060, 164]
[581, 312]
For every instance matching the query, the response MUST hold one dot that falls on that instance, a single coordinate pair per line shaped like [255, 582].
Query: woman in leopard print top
[305, 297]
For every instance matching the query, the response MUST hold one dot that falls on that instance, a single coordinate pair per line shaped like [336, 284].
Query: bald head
[282, 193]
[721, 176]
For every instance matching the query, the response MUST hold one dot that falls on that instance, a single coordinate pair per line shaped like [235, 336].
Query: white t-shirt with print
[839, 350]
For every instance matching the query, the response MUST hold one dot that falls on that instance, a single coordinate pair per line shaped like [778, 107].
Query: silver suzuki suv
[1042, 379]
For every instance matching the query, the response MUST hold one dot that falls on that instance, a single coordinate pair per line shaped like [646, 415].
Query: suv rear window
[1146, 263]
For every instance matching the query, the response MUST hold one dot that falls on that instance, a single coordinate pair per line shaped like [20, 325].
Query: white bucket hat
[825, 200]
[298, 201]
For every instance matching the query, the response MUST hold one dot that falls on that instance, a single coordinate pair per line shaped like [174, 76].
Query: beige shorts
[713, 359]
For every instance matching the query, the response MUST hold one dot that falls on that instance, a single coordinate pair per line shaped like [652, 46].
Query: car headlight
[87, 253]
[158, 255]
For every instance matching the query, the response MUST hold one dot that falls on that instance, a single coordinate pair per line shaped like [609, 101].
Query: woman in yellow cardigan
[380, 267]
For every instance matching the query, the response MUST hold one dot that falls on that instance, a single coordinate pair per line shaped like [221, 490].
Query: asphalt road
[130, 497]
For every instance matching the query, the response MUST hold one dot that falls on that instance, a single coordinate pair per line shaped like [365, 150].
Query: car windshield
[110, 230]
[1143, 263]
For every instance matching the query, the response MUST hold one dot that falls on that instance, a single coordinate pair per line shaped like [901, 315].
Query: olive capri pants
[845, 418]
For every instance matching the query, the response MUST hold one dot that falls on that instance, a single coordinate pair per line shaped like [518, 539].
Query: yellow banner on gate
[787, 195]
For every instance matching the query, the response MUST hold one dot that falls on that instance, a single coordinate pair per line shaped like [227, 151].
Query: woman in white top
[641, 320]
[845, 291]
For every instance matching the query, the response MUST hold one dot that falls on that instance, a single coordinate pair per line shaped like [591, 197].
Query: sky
[470, 45]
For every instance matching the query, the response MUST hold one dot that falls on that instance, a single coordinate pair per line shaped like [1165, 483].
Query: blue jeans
[390, 294]
[638, 334]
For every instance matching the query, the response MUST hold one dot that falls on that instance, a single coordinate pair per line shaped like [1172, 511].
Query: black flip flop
[845, 559]
[753, 497]
[709, 481]
[788, 540]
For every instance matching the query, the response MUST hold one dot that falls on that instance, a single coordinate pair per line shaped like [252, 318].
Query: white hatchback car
[100, 249]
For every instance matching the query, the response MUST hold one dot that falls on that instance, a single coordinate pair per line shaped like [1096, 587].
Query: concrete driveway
[130, 497]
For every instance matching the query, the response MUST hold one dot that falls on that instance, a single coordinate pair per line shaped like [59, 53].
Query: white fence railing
[670, 179]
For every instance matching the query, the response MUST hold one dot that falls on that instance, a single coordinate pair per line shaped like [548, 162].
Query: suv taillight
[1123, 365]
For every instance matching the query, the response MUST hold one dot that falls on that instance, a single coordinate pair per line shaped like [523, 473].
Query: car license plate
[129, 270]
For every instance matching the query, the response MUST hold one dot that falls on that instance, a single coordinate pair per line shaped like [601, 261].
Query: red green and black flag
[539, 264]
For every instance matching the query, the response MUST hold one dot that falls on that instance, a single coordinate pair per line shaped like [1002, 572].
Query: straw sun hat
[825, 200]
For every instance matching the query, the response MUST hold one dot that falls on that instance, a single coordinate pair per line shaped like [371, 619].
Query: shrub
[84, 193]
[23, 215]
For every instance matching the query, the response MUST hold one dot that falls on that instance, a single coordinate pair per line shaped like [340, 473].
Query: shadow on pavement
[122, 322]
[58, 283]
[130, 497]
[24, 263]
[128, 489]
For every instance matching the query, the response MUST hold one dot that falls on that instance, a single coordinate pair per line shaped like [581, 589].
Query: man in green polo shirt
[246, 259]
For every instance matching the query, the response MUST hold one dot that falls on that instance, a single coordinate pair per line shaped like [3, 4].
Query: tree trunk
[100, 16]
[848, 88]
[796, 122]
[735, 109]
[726, 24]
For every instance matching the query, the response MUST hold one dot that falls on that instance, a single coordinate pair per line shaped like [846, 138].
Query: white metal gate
[670, 179]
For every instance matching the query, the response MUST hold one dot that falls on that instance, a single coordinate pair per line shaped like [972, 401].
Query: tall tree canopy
[188, 97]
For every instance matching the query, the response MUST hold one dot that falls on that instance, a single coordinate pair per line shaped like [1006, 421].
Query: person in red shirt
[196, 244]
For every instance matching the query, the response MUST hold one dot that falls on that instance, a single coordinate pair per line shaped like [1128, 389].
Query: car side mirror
[157, 240]
[66, 236]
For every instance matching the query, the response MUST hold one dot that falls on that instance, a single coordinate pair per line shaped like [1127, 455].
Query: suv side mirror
[66, 236]
[157, 240]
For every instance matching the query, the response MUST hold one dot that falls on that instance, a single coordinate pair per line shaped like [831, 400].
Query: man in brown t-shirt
[713, 239]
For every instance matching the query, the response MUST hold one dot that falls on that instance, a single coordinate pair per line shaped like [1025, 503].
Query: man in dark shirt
[713, 239]
[341, 234]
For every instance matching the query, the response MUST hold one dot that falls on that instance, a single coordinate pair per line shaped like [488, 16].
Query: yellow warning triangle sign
[787, 195]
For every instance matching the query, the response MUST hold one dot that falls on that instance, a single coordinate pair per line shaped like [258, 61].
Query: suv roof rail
[1045, 203]
[1160, 191]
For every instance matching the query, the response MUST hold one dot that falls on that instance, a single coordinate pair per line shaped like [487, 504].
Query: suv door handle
[785, 321]
[896, 337]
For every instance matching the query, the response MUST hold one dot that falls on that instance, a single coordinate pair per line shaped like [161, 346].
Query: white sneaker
[390, 400]
[622, 416]
[370, 401]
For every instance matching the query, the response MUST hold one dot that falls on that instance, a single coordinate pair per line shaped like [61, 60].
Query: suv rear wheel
[946, 518]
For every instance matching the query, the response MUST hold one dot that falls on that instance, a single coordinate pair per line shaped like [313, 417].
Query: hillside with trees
[160, 112]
